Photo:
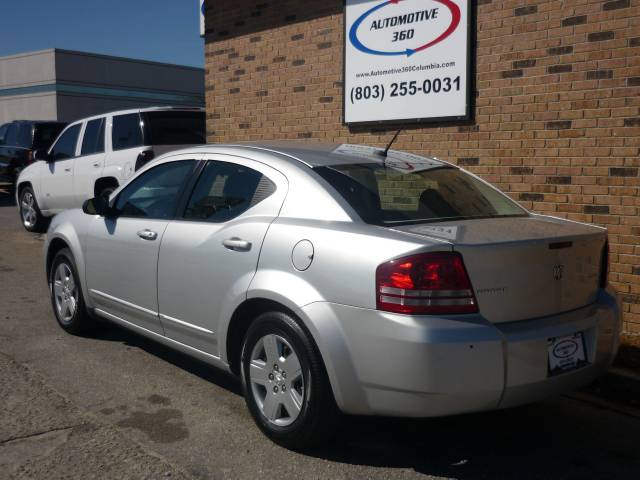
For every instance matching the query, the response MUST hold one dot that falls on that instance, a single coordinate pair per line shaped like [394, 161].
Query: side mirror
[42, 154]
[98, 206]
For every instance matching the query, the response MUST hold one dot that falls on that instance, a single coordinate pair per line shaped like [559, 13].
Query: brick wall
[557, 109]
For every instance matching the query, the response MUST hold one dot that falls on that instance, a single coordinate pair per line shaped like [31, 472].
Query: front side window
[154, 194]
[65, 147]
[387, 196]
[126, 131]
[226, 190]
[93, 140]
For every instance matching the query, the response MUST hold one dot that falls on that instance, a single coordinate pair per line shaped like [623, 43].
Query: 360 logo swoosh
[355, 41]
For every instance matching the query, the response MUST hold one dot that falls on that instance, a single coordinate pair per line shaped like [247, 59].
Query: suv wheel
[66, 294]
[106, 191]
[32, 218]
[285, 384]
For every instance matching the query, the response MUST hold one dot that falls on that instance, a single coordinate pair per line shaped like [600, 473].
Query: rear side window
[93, 140]
[24, 135]
[226, 190]
[388, 196]
[18, 134]
[154, 194]
[12, 135]
[65, 147]
[126, 131]
[174, 128]
[46, 133]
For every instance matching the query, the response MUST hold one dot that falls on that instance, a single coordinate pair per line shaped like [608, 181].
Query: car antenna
[385, 152]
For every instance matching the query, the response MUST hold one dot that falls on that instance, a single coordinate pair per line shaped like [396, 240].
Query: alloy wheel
[277, 383]
[65, 292]
[28, 210]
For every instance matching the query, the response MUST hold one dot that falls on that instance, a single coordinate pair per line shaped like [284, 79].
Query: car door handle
[147, 234]
[96, 165]
[237, 244]
[67, 169]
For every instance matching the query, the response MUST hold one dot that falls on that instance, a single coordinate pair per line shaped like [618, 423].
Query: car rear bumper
[398, 365]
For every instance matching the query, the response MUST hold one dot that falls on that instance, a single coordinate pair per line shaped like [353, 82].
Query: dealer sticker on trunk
[566, 353]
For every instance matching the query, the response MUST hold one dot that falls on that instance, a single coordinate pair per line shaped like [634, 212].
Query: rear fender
[295, 293]
[292, 293]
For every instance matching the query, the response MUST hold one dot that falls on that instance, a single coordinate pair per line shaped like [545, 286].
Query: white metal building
[65, 85]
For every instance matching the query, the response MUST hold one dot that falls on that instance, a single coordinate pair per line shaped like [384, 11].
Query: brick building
[556, 113]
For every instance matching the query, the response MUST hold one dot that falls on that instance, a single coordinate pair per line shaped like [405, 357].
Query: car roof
[165, 108]
[39, 122]
[317, 154]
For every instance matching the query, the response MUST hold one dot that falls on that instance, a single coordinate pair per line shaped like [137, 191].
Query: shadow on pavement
[113, 333]
[547, 441]
[557, 439]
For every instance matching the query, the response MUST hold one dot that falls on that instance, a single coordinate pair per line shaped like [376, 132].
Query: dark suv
[19, 139]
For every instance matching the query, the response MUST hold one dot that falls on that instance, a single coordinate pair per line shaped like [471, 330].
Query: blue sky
[160, 30]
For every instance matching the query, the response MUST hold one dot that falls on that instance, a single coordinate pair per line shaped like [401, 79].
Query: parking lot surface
[115, 405]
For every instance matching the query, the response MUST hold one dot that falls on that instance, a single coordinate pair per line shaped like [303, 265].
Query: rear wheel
[285, 384]
[32, 218]
[66, 294]
[105, 187]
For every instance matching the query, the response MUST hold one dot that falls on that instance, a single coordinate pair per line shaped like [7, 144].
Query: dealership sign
[202, 9]
[406, 60]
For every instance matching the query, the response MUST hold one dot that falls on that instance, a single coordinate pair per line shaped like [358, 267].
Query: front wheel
[32, 218]
[285, 383]
[66, 294]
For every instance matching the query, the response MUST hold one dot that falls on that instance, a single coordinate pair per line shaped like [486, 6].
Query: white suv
[93, 156]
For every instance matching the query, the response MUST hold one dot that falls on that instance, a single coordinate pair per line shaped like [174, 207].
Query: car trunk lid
[525, 267]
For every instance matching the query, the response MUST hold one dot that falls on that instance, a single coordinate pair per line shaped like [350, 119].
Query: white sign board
[201, 11]
[406, 60]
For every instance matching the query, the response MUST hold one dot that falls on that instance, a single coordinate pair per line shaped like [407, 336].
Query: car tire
[66, 295]
[30, 214]
[274, 342]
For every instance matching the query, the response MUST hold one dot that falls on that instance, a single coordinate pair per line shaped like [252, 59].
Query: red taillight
[29, 157]
[604, 266]
[425, 284]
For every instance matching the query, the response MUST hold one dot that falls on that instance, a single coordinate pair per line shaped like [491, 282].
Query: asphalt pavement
[115, 405]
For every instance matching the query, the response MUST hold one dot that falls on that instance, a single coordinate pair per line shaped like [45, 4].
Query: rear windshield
[46, 133]
[387, 196]
[174, 128]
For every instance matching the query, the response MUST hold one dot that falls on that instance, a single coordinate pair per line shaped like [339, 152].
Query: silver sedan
[341, 279]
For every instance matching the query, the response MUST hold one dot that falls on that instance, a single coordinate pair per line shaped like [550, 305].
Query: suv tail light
[604, 265]
[425, 283]
[29, 157]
